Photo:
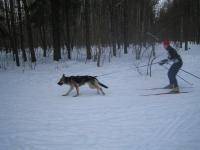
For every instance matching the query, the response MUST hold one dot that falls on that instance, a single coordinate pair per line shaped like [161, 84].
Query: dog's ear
[63, 75]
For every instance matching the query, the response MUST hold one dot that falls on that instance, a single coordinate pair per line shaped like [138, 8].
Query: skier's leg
[170, 77]
[175, 68]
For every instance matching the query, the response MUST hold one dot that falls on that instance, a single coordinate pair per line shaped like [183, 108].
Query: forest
[59, 27]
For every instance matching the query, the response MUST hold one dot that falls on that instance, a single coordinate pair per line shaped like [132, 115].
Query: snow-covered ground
[34, 115]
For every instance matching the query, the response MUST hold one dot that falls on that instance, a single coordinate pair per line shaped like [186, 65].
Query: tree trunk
[186, 45]
[98, 55]
[43, 39]
[68, 44]
[8, 23]
[55, 7]
[87, 29]
[181, 32]
[112, 26]
[29, 31]
[14, 35]
[21, 31]
[125, 26]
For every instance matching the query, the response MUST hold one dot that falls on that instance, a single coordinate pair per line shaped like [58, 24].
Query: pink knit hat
[166, 43]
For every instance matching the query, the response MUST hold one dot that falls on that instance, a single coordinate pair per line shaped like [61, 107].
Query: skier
[175, 67]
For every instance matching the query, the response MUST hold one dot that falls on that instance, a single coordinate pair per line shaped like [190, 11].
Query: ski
[164, 93]
[161, 88]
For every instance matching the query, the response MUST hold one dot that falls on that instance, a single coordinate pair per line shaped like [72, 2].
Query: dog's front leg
[70, 89]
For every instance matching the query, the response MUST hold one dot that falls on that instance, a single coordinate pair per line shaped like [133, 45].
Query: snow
[34, 115]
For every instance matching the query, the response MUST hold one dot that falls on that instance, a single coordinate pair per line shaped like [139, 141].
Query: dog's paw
[75, 95]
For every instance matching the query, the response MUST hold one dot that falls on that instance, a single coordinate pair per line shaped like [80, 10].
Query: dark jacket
[173, 55]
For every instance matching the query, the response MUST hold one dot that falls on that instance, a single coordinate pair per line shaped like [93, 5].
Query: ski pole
[185, 80]
[190, 74]
[181, 77]
[147, 65]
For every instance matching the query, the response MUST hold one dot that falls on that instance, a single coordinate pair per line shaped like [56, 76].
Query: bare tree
[21, 30]
[13, 33]
[55, 10]
[87, 28]
[29, 31]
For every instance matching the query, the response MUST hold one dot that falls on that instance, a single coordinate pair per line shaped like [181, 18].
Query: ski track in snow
[34, 115]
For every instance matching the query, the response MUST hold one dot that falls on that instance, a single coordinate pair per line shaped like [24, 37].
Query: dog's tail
[102, 85]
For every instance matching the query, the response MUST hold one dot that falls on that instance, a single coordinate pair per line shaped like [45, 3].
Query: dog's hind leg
[99, 89]
[70, 89]
[77, 91]
[102, 91]
[94, 86]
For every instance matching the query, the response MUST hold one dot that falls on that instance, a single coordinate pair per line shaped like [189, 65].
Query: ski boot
[175, 90]
[170, 86]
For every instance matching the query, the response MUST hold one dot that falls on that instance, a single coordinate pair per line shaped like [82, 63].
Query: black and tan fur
[77, 81]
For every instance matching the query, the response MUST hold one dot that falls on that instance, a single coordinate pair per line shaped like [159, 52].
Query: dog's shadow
[84, 94]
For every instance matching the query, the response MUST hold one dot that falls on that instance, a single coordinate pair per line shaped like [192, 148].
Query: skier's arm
[164, 61]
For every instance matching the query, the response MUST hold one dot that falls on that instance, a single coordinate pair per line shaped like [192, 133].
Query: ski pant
[173, 70]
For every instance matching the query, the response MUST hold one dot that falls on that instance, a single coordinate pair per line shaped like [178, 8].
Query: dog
[77, 81]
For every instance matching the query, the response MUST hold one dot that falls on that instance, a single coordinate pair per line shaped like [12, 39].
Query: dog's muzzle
[60, 83]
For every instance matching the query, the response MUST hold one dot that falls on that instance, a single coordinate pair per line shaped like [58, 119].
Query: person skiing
[175, 67]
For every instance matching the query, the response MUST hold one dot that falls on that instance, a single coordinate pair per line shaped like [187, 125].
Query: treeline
[55, 24]
[179, 20]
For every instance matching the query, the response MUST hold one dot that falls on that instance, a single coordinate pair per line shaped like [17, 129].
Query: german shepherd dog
[77, 81]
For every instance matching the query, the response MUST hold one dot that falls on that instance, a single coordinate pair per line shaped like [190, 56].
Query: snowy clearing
[34, 115]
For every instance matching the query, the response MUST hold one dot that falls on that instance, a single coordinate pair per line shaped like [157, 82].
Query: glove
[162, 62]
